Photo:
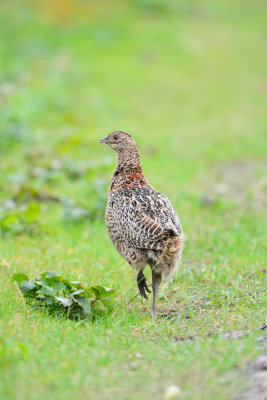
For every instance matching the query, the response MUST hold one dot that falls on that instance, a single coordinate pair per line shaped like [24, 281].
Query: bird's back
[144, 217]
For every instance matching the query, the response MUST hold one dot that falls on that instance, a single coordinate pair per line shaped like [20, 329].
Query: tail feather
[173, 246]
[171, 255]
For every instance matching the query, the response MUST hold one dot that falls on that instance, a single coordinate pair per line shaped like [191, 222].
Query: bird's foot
[142, 286]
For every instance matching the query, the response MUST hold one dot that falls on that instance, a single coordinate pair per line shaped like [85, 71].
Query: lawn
[188, 81]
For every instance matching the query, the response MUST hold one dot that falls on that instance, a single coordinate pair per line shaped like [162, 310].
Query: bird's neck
[129, 172]
[128, 161]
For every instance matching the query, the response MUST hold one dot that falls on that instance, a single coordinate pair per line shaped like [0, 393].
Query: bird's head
[120, 141]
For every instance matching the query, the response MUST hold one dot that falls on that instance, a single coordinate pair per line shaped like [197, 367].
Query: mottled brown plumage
[141, 222]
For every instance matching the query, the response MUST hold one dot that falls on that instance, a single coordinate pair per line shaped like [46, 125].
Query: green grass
[187, 80]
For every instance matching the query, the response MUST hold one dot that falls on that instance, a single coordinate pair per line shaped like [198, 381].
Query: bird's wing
[146, 219]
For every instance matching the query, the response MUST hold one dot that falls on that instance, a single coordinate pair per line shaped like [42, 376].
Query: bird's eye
[116, 137]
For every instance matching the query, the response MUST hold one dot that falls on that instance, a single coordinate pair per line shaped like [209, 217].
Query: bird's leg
[156, 279]
[142, 286]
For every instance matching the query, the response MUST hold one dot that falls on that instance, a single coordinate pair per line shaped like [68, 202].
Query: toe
[144, 295]
[146, 288]
[142, 291]
[142, 286]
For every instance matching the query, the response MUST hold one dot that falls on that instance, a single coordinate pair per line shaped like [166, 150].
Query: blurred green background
[188, 80]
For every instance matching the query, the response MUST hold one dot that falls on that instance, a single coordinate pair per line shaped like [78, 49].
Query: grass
[187, 80]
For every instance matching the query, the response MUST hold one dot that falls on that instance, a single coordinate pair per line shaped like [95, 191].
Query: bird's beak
[104, 140]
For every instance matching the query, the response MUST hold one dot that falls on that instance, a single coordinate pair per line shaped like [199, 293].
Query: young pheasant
[141, 222]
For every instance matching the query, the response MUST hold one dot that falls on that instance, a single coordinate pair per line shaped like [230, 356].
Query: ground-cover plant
[51, 178]
[15, 220]
[61, 296]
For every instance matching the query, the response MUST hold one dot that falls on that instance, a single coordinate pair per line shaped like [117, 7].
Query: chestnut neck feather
[129, 172]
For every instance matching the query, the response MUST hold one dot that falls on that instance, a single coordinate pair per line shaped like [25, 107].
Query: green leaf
[67, 283]
[79, 291]
[41, 283]
[89, 293]
[47, 290]
[76, 284]
[85, 304]
[19, 277]
[27, 286]
[32, 212]
[50, 274]
[59, 286]
[66, 302]
[102, 291]
[10, 222]
[108, 303]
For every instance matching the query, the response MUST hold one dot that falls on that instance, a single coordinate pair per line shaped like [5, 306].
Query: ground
[188, 81]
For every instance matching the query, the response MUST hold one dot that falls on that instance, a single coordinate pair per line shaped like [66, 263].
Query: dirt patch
[235, 334]
[257, 376]
[258, 380]
[263, 339]
[242, 182]
[178, 338]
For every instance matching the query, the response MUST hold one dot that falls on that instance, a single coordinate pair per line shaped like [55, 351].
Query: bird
[141, 222]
